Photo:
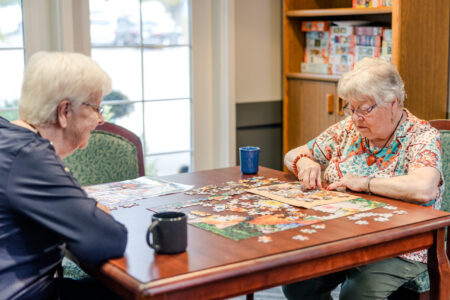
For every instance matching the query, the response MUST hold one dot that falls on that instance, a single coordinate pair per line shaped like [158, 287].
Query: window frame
[63, 25]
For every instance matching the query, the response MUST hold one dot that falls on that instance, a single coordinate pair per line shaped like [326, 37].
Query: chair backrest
[444, 127]
[113, 154]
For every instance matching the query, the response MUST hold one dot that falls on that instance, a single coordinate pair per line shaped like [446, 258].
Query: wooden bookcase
[420, 50]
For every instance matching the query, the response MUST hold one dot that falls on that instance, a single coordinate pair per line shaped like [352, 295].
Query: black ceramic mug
[168, 232]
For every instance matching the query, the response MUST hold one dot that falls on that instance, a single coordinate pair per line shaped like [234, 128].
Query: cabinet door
[311, 108]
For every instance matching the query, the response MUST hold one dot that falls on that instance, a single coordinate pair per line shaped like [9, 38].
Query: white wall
[213, 83]
[236, 57]
[258, 50]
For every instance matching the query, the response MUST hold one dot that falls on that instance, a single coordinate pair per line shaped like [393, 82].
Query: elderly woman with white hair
[43, 209]
[379, 148]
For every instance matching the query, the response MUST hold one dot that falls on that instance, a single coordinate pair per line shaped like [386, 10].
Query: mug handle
[155, 243]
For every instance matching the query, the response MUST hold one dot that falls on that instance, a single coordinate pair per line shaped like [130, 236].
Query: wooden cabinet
[420, 50]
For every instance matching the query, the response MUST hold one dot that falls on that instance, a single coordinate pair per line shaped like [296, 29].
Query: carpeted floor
[276, 294]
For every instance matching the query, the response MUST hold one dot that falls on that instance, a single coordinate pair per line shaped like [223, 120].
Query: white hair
[51, 77]
[373, 78]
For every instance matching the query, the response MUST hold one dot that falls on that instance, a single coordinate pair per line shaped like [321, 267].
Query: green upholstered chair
[113, 154]
[419, 287]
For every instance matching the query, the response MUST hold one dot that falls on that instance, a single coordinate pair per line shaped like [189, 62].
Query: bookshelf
[420, 50]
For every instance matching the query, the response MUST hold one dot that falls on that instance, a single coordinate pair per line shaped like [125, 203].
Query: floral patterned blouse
[415, 145]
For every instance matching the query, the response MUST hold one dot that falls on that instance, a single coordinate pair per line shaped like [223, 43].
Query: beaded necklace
[372, 158]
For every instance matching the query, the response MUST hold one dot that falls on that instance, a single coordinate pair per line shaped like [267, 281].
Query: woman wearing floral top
[379, 148]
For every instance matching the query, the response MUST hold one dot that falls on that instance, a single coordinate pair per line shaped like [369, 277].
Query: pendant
[370, 160]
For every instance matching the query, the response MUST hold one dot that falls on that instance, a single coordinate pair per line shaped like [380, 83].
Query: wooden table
[216, 267]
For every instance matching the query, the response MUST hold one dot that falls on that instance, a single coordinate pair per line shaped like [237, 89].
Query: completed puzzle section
[238, 214]
[294, 193]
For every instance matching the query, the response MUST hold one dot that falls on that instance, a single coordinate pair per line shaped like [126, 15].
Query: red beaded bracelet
[294, 165]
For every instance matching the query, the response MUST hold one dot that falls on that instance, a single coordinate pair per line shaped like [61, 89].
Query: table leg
[438, 267]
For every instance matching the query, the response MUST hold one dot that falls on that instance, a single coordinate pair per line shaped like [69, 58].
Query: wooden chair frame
[127, 134]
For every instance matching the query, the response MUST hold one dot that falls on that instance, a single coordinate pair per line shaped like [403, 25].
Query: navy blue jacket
[43, 209]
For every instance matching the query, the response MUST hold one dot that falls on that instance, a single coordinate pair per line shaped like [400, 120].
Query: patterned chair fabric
[421, 283]
[107, 158]
[113, 154]
[446, 168]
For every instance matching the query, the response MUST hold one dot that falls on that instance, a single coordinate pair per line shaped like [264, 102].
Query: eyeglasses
[97, 108]
[360, 112]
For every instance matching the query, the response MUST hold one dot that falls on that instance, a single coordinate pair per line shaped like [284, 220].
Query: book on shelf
[315, 26]
[316, 56]
[336, 49]
[366, 51]
[387, 34]
[368, 40]
[315, 68]
[386, 48]
[371, 3]
[368, 30]
[342, 45]
[316, 47]
[316, 51]
[317, 39]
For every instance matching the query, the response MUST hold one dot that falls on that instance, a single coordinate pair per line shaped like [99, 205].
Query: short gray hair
[51, 77]
[373, 78]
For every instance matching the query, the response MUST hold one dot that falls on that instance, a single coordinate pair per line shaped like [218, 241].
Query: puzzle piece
[362, 222]
[300, 237]
[264, 239]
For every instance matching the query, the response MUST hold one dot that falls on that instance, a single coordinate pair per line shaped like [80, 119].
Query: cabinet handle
[340, 105]
[330, 101]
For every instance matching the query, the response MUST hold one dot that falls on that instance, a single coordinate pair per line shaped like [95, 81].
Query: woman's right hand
[309, 173]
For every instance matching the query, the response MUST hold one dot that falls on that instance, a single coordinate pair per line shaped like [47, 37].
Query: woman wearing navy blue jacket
[43, 209]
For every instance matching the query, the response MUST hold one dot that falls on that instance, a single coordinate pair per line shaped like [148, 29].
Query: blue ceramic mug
[249, 158]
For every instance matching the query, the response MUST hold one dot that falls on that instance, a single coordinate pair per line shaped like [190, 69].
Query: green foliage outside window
[10, 115]
[113, 112]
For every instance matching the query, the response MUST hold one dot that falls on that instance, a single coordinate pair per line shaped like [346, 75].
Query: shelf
[338, 12]
[312, 76]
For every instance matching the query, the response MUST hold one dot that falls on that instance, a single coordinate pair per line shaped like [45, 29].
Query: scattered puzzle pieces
[390, 207]
[264, 239]
[300, 237]
[308, 230]
[362, 222]
[318, 226]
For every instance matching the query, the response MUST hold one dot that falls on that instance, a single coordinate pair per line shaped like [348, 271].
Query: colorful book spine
[315, 68]
[316, 51]
[316, 56]
[315, 26]
[341, 31]
[368, 30]
[317, 39]
[387, 34]
[386, 45]
[371, 3]
[366, 51]
[341, 50]
[368, 40]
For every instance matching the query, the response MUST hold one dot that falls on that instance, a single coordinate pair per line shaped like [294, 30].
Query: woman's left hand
[350, 181]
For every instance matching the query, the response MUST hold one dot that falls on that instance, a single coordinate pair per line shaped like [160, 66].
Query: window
[145, 47]
[11, 57]
[62, 25]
